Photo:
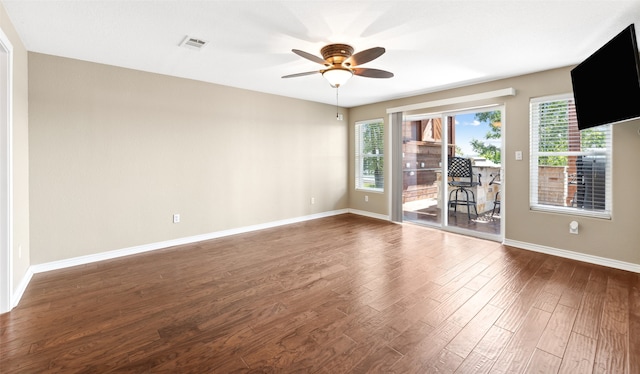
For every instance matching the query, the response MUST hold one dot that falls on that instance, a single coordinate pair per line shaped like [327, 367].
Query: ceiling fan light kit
[341, 64]
[337, 77]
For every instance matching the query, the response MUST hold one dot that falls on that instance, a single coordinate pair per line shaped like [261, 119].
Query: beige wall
[618, 238]
[115, 152]
[20, 152]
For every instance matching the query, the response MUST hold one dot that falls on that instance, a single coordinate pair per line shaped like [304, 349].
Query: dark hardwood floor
[344, 294]
[487, 222]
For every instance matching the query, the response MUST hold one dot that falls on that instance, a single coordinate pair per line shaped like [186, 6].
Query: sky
[468, 128]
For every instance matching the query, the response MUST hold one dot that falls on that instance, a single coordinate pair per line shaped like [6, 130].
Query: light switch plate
[518, 155]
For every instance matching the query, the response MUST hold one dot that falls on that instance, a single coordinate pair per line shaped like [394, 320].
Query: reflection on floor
[428, 212]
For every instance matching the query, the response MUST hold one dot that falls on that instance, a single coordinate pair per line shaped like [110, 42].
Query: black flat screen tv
[606, 86]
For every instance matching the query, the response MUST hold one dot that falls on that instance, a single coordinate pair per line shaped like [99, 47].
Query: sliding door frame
[395, 140]
[445, 171]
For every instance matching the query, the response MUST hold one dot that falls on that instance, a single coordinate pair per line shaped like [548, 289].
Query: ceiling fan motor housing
[336, 54]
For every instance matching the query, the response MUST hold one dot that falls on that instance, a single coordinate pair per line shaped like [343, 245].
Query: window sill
[571, 211]
[374, 190]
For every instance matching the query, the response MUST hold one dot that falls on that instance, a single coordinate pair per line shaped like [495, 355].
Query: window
[370, 155]
[570, 169]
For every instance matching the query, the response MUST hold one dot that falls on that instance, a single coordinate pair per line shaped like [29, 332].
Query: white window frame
[362, 180]
[535, 152]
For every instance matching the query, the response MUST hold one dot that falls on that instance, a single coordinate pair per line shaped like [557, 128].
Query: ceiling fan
[341, 64]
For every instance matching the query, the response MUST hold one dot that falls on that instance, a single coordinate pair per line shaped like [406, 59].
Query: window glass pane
[370, 155]
[570, 169]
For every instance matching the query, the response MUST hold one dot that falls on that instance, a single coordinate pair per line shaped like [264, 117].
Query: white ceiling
[430, 45]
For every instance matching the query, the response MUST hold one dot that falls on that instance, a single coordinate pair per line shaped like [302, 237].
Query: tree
[554, 128]
[592, 138]
[489, 151]
[373, 151]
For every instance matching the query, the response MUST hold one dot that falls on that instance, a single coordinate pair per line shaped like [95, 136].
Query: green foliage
[554, 129]
[592, 138]
[373, 147]
[491, 117]
[553, 160]
[489, 151]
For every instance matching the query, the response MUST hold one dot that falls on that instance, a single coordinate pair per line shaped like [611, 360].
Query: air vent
[193, 43]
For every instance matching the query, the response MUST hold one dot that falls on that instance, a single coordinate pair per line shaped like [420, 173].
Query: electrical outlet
[313, 200]
[176, 218]
[573, 227]
[366, 198]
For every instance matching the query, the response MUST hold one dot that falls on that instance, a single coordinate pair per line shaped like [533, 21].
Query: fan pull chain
[337, 109]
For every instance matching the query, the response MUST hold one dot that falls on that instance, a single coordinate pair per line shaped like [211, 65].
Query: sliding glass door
[437, 192]
[422, 144]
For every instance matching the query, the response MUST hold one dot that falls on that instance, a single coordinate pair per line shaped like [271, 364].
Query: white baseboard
[22, 287]
[369, 214]
[82, 260]
[608, 262]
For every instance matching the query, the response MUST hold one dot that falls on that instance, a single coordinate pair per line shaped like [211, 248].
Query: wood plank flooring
[343, 294]
[484, 223]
